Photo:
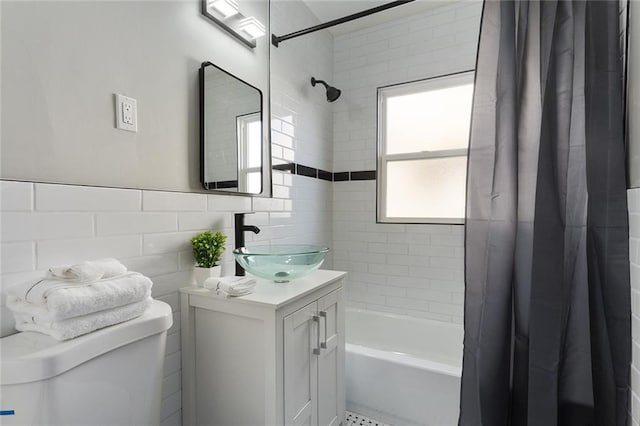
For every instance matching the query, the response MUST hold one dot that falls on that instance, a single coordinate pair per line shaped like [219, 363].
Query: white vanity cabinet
[274, 357]
[314, 363]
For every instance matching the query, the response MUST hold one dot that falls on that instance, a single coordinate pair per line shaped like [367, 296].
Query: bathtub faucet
[240, 229]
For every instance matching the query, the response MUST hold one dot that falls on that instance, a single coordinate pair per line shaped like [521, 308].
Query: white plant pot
[201, 274]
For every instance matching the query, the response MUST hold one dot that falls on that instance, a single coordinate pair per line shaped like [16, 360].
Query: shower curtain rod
[275, 40]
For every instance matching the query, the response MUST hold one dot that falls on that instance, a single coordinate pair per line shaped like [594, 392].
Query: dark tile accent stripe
[325, 175]
[306, 171]
[364, 175]
[286, 167]
[340, 176]
[302, 170]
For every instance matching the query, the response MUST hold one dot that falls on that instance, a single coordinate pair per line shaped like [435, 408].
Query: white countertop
[274, 294]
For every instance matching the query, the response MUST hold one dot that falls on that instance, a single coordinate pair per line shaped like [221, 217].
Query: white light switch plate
[126, 113]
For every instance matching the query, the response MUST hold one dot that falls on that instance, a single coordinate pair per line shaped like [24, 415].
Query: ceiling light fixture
[226, 15]
[252, 27]
[226, 8]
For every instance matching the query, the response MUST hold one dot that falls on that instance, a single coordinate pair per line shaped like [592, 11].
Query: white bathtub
[403, 370]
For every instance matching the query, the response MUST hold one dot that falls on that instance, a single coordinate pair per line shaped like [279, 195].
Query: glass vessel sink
[280, 263]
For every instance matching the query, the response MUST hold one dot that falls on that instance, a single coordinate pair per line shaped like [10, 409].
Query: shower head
[332, 92]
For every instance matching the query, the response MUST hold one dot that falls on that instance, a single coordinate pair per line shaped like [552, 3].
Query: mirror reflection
[230, 132]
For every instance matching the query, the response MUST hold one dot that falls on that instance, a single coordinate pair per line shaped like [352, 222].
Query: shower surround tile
[423, 264]
[407, 269]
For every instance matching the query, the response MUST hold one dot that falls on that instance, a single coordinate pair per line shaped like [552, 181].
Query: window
[423, 136]
[250, 152]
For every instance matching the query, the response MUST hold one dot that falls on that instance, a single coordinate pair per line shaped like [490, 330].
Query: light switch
[126, 113]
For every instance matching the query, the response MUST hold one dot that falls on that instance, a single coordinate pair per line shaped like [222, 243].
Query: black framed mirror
[231, 138]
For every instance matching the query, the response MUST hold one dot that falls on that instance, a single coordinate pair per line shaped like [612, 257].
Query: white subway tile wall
[149, 231]
[401, 268]
[633, 197]
[407, 269]
[301, 131]
[439, 41]
[301, 116]
[48, 224]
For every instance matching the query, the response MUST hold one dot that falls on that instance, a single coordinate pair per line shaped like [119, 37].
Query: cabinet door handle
[323, 314]
[316, 319]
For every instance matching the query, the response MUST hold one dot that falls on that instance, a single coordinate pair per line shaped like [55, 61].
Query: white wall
[409, 269]
[62, 61]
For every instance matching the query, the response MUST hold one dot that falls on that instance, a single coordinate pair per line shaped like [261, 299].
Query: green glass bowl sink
[280, 263]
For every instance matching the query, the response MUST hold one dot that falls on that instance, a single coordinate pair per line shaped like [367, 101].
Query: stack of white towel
[77, 299]
[230, 286]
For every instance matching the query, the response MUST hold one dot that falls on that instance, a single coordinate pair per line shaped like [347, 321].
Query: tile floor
[354, 419]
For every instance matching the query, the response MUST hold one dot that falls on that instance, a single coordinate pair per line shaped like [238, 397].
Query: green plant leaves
[208, 247]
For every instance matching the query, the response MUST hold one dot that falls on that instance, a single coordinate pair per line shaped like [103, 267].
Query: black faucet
[239, 237]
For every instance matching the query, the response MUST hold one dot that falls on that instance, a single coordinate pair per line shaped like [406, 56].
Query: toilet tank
[112, 376]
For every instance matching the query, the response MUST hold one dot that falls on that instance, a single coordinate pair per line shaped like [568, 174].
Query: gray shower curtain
[547, 307]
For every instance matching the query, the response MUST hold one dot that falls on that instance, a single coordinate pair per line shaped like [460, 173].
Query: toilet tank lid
[30, 356]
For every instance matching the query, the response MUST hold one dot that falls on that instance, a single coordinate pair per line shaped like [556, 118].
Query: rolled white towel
[88, 271]
[81, 272]
[55, 300]
[231, 286]
[77, 326]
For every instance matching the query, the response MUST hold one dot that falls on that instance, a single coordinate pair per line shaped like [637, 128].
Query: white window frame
[242, 123]
[434, 83]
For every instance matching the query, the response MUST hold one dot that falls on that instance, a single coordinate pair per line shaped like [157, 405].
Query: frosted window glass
[429, 188]
[430, 120]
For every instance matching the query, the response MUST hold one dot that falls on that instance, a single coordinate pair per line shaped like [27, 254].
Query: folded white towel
[231, 286]
[92, 270]
[54, 300]
[74, 327]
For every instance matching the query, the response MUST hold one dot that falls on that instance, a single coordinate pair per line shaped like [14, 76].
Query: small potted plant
[207, 249]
